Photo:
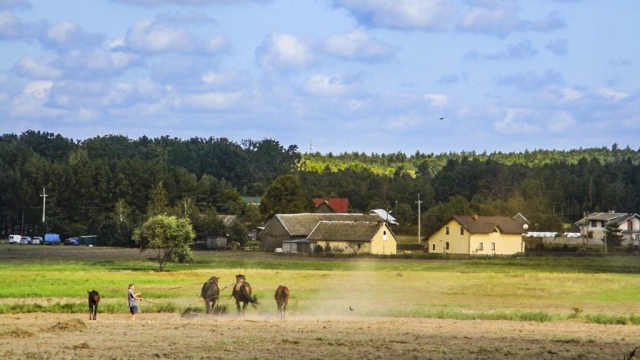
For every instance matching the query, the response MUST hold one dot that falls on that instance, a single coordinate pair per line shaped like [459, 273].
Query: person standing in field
[132, 297]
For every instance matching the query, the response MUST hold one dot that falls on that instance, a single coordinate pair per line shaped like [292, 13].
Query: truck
[14, 239]
[51, 239]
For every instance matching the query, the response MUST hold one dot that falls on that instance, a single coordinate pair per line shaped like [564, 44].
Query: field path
[157, 336]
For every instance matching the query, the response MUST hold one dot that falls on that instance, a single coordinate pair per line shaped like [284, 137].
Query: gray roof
[487, 224]
[345, 231]
[227, 219]
[608, 216]
[303, 224]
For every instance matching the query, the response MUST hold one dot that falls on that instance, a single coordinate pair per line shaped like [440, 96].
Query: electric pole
[44, 203]
[419, 202]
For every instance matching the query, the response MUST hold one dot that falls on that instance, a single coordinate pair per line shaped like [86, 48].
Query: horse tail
[246, 296]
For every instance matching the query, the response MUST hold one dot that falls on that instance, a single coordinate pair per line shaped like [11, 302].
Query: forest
[108, 185]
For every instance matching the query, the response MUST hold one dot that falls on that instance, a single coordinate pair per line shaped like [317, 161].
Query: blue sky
[373, 76]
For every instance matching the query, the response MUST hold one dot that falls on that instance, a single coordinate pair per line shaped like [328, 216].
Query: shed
[301, 246]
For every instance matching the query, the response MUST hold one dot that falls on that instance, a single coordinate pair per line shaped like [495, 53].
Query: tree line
[109, 185]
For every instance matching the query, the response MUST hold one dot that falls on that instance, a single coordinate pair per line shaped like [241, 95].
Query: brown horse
[242, 293]
[282, 299]
[210, 293]
[94, 299]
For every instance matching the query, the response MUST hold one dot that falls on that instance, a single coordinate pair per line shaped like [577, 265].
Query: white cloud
[611, 95]
[67, 34]
[154, 37]
[11, 28]
[328, 86]
[501, 17]
[401, 14]
[516, 121]
[437, 100]
[184, 2]
[284, 51]
[210, 101]
[357, 45]
[9, 4]
[531, 81]
[31, 102]
[560, 122]
[33, 68]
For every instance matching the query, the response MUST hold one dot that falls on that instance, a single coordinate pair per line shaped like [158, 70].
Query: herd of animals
[211, 293]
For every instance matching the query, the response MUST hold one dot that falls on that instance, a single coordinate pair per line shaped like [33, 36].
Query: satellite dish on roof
[525, 227]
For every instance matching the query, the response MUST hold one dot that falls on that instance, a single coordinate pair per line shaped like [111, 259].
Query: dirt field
[162, 336]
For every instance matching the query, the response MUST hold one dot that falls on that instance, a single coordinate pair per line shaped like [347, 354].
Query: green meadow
[603, 289]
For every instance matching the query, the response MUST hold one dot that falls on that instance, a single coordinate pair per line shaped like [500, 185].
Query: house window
[433, 247]
[447, 230]
[446, 245]
[480, 247]
[594, 223]
[493, 246]
[461, 230]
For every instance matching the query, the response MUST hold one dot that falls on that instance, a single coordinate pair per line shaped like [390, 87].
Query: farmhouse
[478, 235]
[221, 242]
[593, 226]
[355, 237]
[284, 227]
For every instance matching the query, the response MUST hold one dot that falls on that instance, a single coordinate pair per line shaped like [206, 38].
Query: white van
[14, 239]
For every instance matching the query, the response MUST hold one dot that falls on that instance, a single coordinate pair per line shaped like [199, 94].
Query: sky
[372, 76]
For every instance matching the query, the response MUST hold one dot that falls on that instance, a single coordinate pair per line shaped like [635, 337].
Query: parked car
[14, 239]
[72, 241]
[37, 240]
[25, 240]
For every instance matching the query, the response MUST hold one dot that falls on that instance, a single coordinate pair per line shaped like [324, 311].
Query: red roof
[339, 205]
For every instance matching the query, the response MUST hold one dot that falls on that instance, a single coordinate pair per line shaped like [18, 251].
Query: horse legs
[238, 306]
[95, 312]
[213, 306]
[90, 311]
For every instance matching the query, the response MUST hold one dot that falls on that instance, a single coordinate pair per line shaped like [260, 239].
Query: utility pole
[419, 202]
[44, 203]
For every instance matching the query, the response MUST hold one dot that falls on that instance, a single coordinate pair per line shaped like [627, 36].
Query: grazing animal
[282, 299]
[210, 293]
[242, 293]
[94, 299]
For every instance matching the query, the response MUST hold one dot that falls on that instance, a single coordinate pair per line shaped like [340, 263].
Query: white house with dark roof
[593, 226]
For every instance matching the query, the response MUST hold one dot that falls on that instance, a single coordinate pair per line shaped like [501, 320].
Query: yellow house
[355, 237]
[478, 235]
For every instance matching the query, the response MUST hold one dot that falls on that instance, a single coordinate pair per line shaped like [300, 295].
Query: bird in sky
[442, 118]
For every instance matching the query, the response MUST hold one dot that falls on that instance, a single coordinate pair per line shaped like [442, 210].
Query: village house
[285, 227]
[355, 237]
[593, 226]
[478, 235]
[221, 242]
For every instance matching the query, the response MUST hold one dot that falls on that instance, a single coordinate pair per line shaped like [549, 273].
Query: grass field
[595, 289]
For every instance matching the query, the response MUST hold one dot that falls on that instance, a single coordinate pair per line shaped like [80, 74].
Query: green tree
[613, 235]
[170, 237]
[237, 232]
[285, 196]
[158, 203]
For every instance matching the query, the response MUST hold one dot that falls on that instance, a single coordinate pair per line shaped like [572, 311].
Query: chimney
[475, 217]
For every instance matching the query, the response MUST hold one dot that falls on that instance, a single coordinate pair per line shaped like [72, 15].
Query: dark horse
[242, 293]
[210, 293]
[94, 299]
[282, 299]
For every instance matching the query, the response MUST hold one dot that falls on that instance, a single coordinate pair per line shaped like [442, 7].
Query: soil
[199, 336]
